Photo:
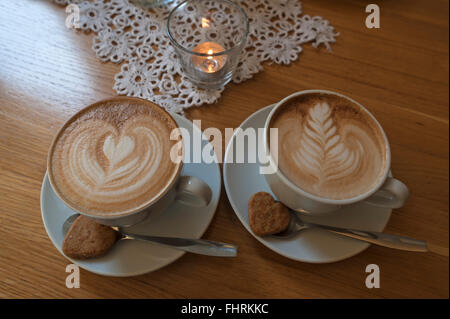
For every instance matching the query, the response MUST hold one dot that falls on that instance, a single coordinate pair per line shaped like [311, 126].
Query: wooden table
[400, 72]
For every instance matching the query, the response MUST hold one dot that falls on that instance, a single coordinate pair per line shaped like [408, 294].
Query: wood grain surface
[400, 72]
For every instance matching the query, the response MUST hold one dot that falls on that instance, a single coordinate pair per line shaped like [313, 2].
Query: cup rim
[224, 52]
[302, 192]
[114, 215]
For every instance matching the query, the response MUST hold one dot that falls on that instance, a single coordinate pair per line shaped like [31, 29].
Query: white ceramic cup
[387, 192]
[187, 189]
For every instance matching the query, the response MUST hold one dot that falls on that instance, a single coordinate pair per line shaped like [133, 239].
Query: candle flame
[210, 67]
[207, 62]
[205, 23]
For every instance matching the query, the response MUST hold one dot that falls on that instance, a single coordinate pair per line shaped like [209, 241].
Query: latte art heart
[116, 153]
[328, 149]
[111, 164]
[124, 171]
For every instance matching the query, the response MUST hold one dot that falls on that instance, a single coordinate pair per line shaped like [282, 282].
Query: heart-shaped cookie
[88, 239]
[266, 216]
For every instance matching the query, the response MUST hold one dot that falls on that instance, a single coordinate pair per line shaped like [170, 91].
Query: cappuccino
[113, 157]
[329, 146]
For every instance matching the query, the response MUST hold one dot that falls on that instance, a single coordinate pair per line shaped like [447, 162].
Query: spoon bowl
[68, 223]
[294, 228]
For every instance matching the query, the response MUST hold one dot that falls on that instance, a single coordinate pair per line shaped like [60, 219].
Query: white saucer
[132, 257]
[242, 180]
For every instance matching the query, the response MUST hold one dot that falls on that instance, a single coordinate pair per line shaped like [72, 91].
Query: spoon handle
[197, 246]
[381, 239]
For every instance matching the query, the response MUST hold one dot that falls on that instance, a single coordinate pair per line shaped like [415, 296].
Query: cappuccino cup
[115, 162]
[328, 151]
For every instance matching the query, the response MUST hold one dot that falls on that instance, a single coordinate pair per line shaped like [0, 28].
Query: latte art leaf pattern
[323, 152]
[328, 150]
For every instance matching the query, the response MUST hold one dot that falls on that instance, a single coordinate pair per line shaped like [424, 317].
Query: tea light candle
[207, 55]
[209, 64]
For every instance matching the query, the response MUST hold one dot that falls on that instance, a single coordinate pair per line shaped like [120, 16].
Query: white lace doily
[137, 38]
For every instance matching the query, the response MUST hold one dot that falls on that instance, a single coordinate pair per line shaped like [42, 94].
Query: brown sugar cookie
[267, 216]
[87, 239]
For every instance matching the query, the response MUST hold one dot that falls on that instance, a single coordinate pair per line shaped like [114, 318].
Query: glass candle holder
[208, 36]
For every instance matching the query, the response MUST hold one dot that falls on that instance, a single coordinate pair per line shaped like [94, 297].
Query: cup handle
[393, 194]
[193, 191]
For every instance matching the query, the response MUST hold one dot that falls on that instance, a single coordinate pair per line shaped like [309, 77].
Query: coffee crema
[329, 146]
[113, 157]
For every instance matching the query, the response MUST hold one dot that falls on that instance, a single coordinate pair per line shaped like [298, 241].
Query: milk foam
[104, 164]
[329, 148]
